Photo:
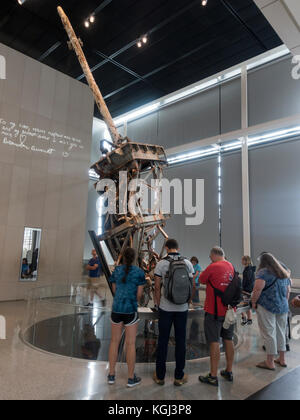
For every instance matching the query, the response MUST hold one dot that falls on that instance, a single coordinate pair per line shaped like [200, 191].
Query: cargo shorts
[214, 330]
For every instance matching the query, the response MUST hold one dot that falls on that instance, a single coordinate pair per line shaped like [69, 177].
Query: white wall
[43, 170]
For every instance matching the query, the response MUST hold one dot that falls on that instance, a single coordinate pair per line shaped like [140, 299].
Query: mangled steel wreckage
[141, 163]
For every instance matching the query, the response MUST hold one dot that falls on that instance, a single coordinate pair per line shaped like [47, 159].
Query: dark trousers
[166, 320]
[196, 298]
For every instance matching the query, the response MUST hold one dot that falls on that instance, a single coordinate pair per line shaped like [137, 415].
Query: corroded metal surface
[140, 161]
[77, 47]
[126, 157]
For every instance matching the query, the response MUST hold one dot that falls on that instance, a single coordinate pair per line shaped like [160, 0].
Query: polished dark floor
[86, 335]
[46, 377]
[286, 388]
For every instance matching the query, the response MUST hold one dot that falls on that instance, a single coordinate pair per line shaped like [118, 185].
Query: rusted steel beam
[135, 227]
[128, 154]
[165, 235]
[136, 223]
[77, 46]
[125, 244]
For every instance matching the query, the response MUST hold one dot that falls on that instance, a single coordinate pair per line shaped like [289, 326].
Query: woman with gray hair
[271, 300]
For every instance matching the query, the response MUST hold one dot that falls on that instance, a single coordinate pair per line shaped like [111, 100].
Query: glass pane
[30, 254]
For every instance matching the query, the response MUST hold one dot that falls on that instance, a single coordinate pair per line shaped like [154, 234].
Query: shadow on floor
[286, 388]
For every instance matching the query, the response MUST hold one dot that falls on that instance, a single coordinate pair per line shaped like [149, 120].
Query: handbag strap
[216, 291]
[270, 285]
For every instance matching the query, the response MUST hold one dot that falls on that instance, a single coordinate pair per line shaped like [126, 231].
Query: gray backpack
[178, 285]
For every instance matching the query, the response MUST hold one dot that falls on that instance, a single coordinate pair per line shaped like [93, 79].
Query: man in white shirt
[170, 314]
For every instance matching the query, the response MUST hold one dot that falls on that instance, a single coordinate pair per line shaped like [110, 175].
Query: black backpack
[232, 296]
[178, 285]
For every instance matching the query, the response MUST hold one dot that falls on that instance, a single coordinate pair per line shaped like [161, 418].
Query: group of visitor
[268, 290]
[28, 269]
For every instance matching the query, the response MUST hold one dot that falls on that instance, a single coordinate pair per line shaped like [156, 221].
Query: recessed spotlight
[21, 2]
[92, 18]
[86, 23]
[204, 2]
[145, 39]
[139, 44]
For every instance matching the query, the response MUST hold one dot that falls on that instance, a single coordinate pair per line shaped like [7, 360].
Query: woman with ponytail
[128, 283]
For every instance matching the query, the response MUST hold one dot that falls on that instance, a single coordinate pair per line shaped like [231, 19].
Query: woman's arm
[140, 292]
[114, 288]
[288, 292]
[194, 283]
[258, 288]
[197, 274]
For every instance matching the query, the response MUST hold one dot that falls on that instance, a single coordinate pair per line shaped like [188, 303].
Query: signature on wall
[31, 139]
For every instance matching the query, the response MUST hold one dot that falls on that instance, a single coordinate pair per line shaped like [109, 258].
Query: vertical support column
[125, 128]
[246, 198]
[245, 166]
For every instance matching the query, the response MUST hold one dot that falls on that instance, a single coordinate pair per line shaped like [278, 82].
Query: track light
[21, 2]
[89, 20]
[142, 40]
[204, 2]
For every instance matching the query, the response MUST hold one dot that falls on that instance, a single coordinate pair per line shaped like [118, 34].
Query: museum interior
[100, 98]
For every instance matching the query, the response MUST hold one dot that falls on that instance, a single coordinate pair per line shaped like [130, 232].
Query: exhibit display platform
[58, 321]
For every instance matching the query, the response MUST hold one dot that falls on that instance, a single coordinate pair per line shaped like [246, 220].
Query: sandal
[263, 365]
[278, 363]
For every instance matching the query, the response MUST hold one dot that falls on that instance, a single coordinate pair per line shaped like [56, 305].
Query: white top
[160, 271]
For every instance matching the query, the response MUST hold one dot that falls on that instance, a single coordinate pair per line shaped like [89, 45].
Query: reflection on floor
[30, 374]
[86, 335]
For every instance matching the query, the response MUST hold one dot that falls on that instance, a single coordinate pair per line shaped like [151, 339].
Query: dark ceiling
[187, 42]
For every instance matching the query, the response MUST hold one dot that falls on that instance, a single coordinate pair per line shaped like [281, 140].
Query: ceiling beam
[165, 66]
[117, 64]
[58, 44]
[101, 7]
[159, 69]
[235, 14]
[49, 51]
[34, 15]
[151, 31]
[127, 70]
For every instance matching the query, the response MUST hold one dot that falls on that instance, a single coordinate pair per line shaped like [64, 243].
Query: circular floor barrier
[58, 321]
[86, 335]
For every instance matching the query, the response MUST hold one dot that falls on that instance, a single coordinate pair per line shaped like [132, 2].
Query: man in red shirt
[218, 274]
